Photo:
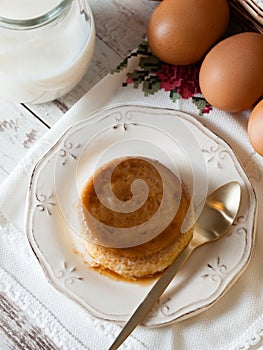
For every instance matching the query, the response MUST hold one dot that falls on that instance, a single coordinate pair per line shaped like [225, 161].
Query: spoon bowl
[218, 214]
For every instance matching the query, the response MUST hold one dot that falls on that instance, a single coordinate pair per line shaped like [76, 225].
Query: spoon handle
[154, 294]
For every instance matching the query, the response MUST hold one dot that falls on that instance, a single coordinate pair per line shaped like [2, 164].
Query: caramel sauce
[115, 276]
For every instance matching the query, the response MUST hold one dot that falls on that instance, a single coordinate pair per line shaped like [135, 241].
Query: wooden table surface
[120, 27]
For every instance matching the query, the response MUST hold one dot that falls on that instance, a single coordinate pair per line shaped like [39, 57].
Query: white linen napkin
[235, 322]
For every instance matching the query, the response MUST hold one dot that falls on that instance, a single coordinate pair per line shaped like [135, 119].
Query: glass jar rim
[31, 23]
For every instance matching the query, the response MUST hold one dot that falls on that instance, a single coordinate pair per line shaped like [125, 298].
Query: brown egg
[255, 128]
[181, 32]
[231, 75]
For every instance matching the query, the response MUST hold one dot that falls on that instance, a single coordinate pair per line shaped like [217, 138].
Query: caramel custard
[142, 252]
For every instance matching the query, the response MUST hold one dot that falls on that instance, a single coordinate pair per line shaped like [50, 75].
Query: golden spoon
[217, 216]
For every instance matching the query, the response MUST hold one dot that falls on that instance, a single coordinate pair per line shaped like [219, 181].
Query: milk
[41, 64]
[25, 9]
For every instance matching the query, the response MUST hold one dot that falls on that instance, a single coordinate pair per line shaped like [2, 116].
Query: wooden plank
[121, 24]
[19, 332]
[19, 130]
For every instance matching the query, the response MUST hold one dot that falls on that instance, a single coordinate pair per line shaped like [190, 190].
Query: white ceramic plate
[202, 159]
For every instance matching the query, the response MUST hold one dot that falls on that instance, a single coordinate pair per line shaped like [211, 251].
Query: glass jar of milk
[46, 47]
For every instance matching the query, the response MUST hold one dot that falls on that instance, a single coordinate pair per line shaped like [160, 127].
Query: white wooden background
[120, 26]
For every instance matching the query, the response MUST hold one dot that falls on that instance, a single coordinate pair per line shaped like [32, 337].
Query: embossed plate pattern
[203, 160]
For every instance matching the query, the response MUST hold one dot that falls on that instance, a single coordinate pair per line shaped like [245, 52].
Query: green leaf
[151, 85]
[200, 103]
[174, 96]
[150, 64]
